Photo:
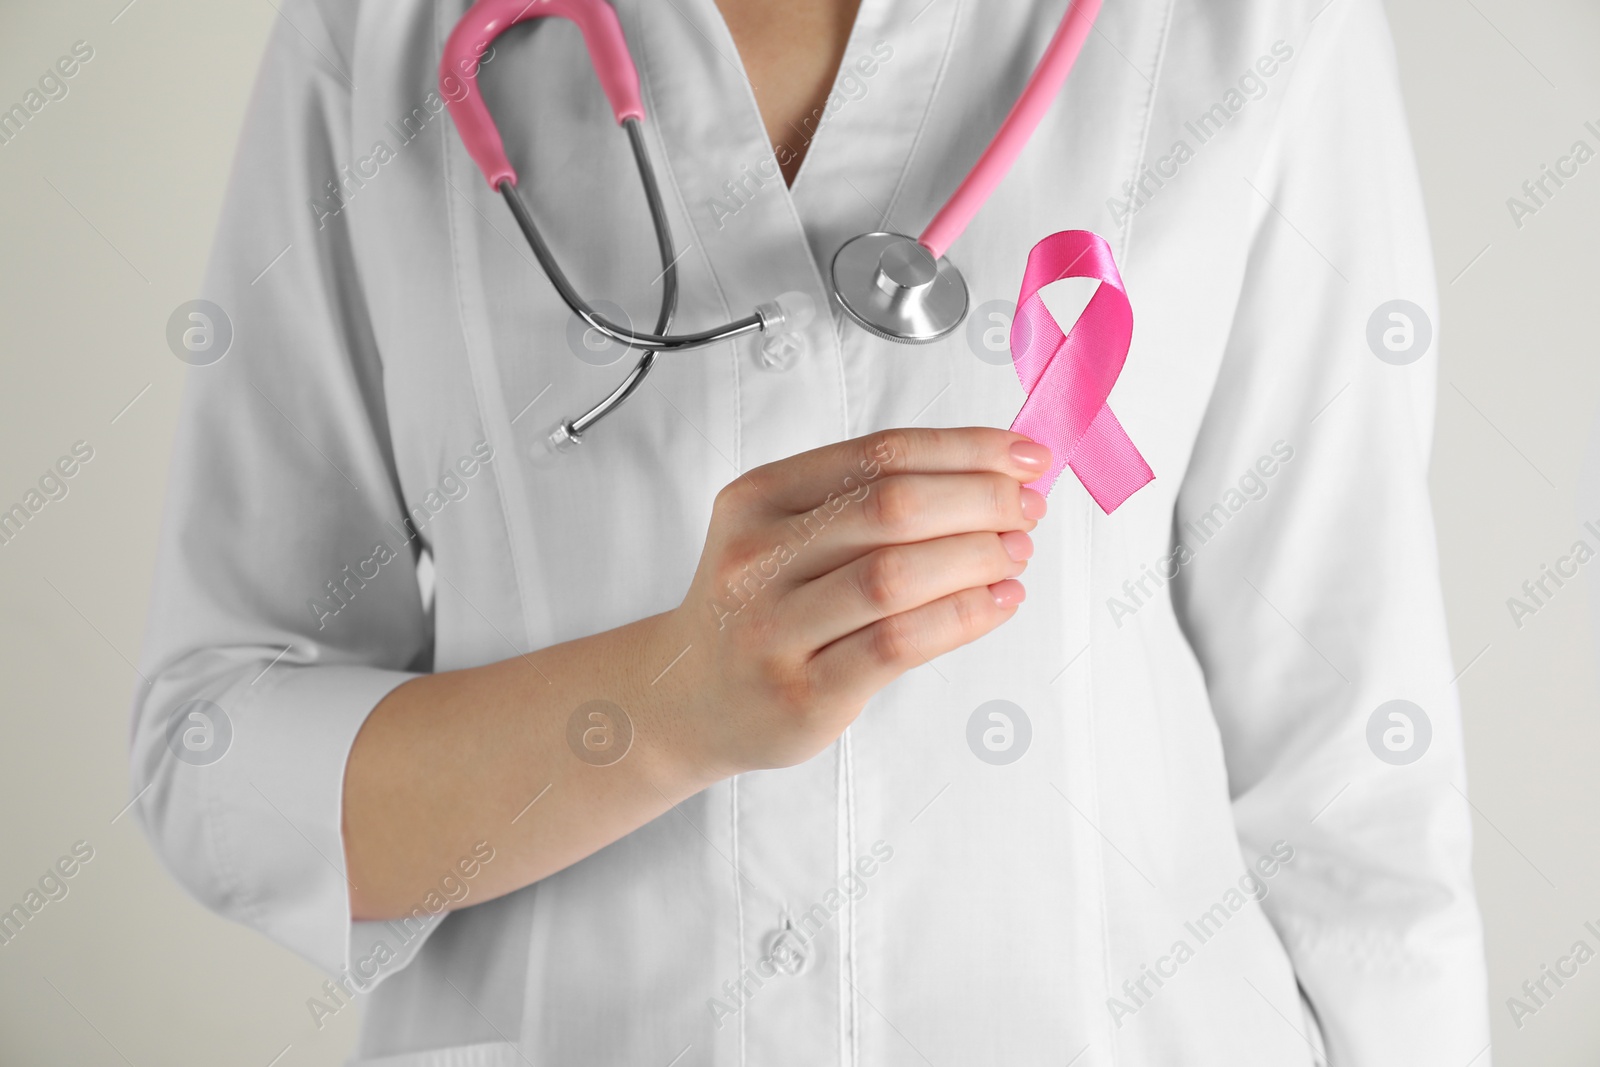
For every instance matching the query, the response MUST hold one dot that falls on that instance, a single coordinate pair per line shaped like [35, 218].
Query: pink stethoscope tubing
[1020, 122]
[896, 287]
[488, 19]
[613, 65]
[618, 79]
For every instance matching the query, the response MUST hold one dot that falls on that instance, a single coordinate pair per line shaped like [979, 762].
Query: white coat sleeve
[285, 592]
[1320, 601]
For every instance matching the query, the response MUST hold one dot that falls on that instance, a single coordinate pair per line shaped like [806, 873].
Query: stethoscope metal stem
[571, 431]
[656, 341]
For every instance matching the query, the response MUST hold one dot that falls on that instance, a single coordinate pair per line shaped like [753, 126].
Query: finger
[903, 509]
[860, 664]
[800, 483]
[898, 578]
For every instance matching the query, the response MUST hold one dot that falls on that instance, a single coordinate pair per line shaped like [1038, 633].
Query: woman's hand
[828, 574]
[824, 577]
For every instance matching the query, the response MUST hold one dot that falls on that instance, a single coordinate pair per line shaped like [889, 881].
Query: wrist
[671, 737]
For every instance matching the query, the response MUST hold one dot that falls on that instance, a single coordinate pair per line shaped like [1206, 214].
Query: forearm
[918, 537]
[483, 754]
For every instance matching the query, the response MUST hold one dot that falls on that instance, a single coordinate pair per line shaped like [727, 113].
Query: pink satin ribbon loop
[1069, 376]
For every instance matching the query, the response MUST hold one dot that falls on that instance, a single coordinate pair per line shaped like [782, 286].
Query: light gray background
[107, 203]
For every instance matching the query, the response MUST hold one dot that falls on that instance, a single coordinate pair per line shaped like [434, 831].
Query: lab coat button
[788, 951]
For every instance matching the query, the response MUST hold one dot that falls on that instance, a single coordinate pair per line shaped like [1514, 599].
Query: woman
[525, 758]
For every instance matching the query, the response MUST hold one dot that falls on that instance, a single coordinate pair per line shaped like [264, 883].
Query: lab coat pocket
[493, 1054]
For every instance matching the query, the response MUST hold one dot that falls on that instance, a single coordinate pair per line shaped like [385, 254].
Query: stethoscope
[897, 287]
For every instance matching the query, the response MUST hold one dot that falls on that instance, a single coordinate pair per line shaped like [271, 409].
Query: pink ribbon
[1068, 376]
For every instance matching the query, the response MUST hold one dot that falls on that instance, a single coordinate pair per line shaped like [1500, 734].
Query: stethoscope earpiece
[783, 333]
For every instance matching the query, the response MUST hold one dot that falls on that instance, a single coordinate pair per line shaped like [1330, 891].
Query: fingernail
[1018, 545]
[1030, 455]
[1008, 593]
[1033, 505]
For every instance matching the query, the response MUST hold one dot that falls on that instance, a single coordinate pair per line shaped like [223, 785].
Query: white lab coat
[1191, 720]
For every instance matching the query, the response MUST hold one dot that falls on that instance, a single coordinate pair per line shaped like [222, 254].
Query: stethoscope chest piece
[896, 289]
